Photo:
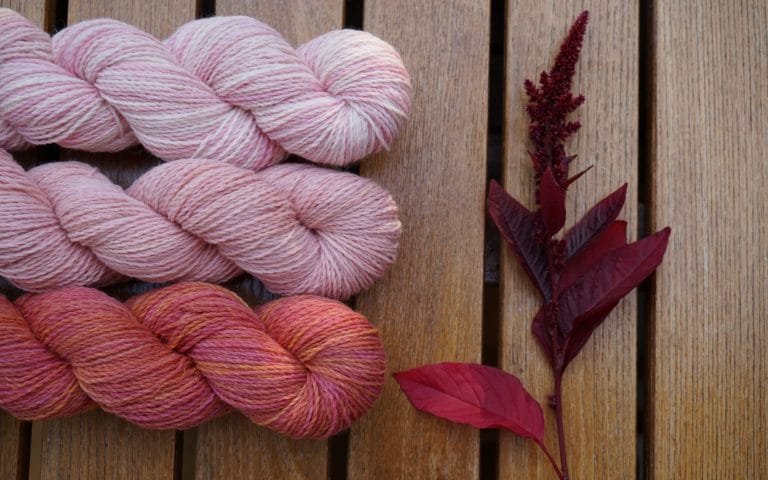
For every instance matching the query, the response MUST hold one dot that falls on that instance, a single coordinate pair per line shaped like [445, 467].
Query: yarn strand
[227, 88]
[297, 228]
[173, 358]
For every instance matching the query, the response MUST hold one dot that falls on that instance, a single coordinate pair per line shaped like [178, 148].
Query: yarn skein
[297, 228]
[228, 88]
[173, 358]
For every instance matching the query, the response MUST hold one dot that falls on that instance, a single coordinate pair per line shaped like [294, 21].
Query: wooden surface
[429, 307]
[710, 341]
[599, 386]
[297, 20]
[677, 98]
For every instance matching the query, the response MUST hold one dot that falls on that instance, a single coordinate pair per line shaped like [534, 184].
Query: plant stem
[551, 460]
[557, 366]
[559, 420]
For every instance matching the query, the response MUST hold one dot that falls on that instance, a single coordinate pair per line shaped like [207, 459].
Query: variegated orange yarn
[304, 366]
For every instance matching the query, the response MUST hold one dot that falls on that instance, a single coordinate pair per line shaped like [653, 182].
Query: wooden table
[673, 386]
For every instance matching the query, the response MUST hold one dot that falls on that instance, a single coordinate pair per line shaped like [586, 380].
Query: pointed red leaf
[614, 276]
[552, 200]
[611, 238]
[577, 176]
[581, 332]
[472, 394]
[517, 225]
[539, 329]
[594, 221]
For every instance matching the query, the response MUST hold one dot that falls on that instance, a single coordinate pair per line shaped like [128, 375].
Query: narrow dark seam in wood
[489, 439]
[205, 8]
[55, 15]
[189, 455]
[353, 14]
[178, 455]
[645, 294]
[25, 435]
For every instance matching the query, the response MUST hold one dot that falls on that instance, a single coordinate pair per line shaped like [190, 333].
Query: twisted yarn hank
[176, 357]
[297, 228]
[229, 88]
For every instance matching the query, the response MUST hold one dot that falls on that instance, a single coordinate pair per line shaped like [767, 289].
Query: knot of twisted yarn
[229, 88]
[176, 357]
[297, 228]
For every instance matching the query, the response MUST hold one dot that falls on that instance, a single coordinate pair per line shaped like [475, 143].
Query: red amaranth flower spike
[551, 102]
[581, 275]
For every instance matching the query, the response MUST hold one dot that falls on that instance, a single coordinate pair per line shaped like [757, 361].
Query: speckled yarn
[176, 357]
[229, 88]
[297, 228]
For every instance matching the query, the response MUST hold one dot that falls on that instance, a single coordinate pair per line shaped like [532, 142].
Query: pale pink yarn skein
[227, 88]
[297, 228]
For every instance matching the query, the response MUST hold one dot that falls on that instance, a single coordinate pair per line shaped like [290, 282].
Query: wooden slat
[100, 446]
[600, 385]
[34, 10]
[14, 435]
[233, 447]
[14, 438]
[160, 18]
[97, 445]
[709, 359]
[297, 20]
[429, 306]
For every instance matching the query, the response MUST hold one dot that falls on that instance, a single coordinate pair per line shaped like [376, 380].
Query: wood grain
[160, 18]
[34, 10]
[297, 20]
[232, 447]
[98, 445]
[14, 435]
[14, 447]
[600, 385]
[429, 306]
[709, 360]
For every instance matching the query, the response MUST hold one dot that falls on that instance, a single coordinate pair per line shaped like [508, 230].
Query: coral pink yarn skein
[227, 88]
[297, 228]
[179, 356]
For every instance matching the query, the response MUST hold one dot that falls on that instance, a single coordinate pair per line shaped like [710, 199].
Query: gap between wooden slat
[205, 8]
[644, 164]
[489, 439]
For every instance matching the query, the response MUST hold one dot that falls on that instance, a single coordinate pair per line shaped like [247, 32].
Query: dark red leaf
[611, 238]
[552, 200]
[472, 394]
[581, 333]
[517, 225]
[540, 331]
[577, 176]
[594, 221]
[610, 279]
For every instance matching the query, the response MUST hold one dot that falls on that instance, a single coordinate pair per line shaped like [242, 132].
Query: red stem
[551, 460]
[559, 420]
[557, 367]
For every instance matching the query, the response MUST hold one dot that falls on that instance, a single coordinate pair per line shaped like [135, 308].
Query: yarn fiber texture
[298, 228]
[176, 357]
[229, 88]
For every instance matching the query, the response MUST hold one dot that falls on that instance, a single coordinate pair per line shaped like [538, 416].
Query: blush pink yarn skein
[297, 228]
[176, 357]
[227, 88]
